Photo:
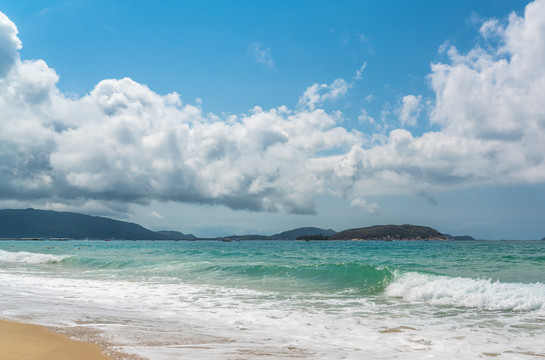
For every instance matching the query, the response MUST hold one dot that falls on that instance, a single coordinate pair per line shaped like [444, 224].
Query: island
[390, 233]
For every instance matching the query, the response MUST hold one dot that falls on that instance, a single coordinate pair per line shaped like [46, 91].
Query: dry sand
[32, 342]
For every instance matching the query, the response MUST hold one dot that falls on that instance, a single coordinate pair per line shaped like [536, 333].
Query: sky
[219, 118]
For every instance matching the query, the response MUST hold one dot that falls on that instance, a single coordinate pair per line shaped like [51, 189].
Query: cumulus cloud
[490, 109]
[262, 55]
[124, 143]
[158, 148]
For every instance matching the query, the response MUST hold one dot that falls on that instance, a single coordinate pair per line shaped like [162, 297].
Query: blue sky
[368, 112]
[204, 49]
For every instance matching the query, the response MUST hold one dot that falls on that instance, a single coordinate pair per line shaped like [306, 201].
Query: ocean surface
[284, 299]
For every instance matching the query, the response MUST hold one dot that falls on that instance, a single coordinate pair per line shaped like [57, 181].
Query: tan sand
[32, 342]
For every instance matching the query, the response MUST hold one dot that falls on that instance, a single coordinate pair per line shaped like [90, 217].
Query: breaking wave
[30, 258]
[482, 294]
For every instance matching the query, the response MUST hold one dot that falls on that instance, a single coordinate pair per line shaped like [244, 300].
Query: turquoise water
[285, 299]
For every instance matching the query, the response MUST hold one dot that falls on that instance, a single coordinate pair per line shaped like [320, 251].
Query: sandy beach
[31, 342]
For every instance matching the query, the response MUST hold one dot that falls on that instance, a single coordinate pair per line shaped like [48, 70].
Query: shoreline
[21, 341]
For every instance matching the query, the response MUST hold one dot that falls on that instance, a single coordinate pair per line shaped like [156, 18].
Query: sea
[164, 300]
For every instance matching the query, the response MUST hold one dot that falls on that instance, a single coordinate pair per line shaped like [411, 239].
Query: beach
[32, 342]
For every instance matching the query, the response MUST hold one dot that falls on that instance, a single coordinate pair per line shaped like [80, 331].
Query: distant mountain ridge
[37, 224]
[286, 235]
[32, 223]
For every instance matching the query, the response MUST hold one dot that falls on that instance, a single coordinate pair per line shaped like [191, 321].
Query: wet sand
[31, 342]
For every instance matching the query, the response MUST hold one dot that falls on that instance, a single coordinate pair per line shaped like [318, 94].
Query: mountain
[176, 235]
[31, 223]
[286, 235]
[460, 237]
[295, 233]
[389, 232]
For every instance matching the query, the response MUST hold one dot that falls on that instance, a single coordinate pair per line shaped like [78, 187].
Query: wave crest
[331, 276]
[465, 292]
[30, 258]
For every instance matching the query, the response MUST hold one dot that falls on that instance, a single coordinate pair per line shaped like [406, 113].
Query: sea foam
[30, 258]
[482, 294]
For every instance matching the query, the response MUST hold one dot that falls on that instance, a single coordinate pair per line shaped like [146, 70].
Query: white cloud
[9, 44]
[155, 214]
[491, 28]
[365, 118]
[495, 94]
[123, 143]
[370, 208]
[443, 48]
[410, 109]
[490, 108]
[317, 94]
[262, 55]
[359, 72]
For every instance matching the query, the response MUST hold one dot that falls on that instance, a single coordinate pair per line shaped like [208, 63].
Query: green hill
[31, 223]
[389, 232]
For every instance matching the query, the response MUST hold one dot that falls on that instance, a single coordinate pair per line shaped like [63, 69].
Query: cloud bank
[123, 143]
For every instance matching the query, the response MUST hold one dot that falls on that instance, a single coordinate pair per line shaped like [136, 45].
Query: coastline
[20, 341]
